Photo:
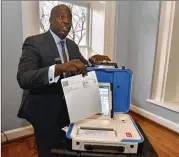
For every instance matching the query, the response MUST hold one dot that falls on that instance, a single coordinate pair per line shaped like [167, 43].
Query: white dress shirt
[51, 72]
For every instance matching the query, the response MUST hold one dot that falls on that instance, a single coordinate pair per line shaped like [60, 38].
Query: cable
[34, 146]
[31, 148]
[7, 141]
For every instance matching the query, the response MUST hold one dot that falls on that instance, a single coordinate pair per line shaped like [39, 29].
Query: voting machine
[114, 130]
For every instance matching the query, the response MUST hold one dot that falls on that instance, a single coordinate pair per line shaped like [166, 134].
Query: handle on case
[108, 64]
[105, 63]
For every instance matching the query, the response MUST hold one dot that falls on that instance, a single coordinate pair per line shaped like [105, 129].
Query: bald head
[60, 20]
[57, 8]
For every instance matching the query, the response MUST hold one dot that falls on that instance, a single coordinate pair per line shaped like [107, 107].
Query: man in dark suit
[45, 59]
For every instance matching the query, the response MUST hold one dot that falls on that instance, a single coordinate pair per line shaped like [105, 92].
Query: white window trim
[168, 105]
[109, 36]
[30, 20]
[167, 12]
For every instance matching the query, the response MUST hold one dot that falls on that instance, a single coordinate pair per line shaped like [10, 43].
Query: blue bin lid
[121, 80]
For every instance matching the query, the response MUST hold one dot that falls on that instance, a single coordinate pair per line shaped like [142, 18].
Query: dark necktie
[66, 74]
[63, 52]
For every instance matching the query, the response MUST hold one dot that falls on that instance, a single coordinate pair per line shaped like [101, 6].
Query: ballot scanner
[112, 130]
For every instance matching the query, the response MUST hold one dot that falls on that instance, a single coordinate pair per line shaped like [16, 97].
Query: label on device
[128, 134]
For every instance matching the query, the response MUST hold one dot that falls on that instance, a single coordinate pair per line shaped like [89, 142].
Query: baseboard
[160, 120]
[17, 133]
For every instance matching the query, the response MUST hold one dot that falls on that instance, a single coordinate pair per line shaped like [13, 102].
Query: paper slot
[99, 133]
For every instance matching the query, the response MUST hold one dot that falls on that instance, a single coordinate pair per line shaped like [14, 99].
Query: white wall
[122, 32]
[17, 24]
[12, 39]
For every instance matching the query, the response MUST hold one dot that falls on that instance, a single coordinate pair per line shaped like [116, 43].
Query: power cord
[34, 146]
[31, 148]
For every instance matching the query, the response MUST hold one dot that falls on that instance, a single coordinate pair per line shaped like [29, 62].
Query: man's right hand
[72, 66]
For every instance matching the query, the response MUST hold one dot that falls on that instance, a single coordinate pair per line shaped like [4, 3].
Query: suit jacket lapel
[52, 46]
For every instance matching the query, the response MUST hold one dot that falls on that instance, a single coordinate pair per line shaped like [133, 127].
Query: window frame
[162, 57]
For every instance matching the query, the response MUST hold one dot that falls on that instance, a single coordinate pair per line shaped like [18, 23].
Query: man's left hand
[95, 58]
[99, 58]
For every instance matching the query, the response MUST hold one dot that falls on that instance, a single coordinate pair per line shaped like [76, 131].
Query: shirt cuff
[51, 73]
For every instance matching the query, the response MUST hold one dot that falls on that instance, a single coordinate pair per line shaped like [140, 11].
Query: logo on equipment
[128, 134]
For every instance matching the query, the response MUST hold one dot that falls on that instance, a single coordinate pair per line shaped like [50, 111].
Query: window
[93, 25]
[99, 26]
[165, 88]
[80, 22]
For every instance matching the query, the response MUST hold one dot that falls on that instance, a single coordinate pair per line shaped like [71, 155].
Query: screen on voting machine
[105, 95]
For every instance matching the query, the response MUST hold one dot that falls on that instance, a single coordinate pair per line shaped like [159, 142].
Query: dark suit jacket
[42, 103]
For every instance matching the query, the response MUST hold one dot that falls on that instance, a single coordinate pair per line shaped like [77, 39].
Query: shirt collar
[56, 38]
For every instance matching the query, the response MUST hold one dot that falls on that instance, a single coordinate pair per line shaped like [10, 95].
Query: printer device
[112, 130]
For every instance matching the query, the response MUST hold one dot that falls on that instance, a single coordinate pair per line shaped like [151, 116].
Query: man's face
[61, 21]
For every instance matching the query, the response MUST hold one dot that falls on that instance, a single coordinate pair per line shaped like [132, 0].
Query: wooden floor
[165, 142]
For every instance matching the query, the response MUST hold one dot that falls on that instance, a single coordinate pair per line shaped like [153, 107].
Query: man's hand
[72, 66]
[99, 58]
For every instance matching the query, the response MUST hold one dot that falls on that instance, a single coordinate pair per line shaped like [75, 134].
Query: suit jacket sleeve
[29, 74]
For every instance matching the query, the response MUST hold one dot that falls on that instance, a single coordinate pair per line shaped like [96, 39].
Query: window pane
[78, 30]
[84, 51]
